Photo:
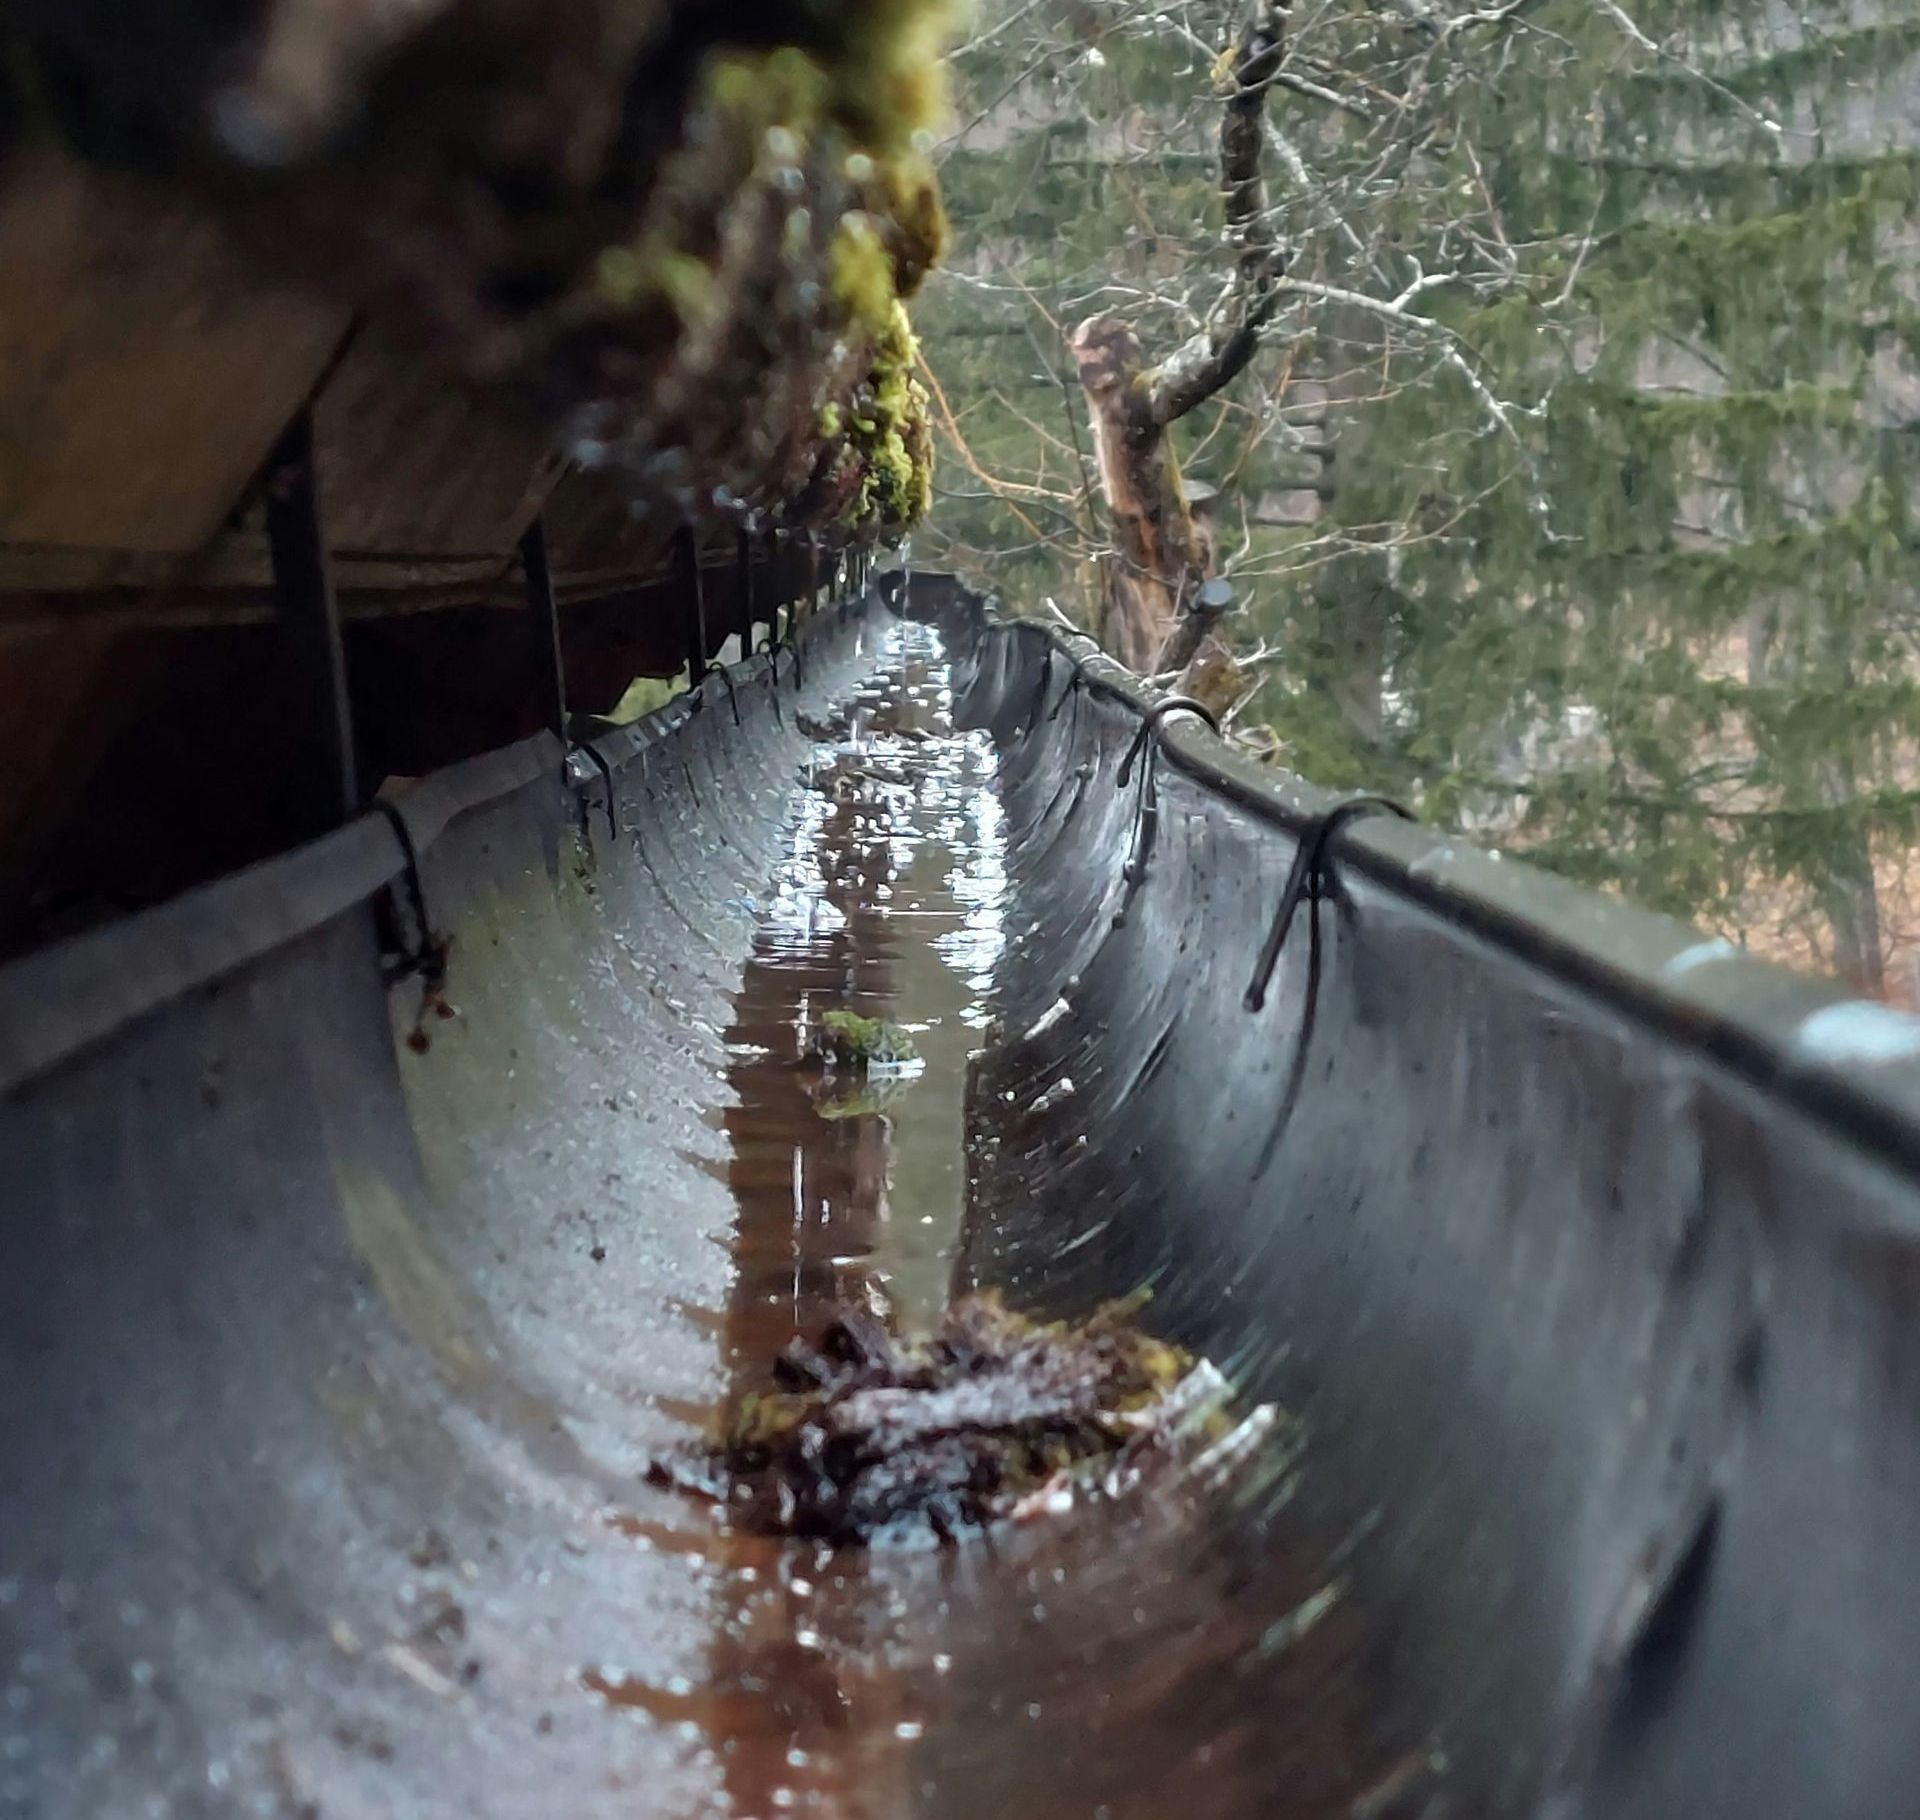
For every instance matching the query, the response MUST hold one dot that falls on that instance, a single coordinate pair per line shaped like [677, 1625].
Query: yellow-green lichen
[890, 435]
[861, 273]
[628, 276]
[916, 220]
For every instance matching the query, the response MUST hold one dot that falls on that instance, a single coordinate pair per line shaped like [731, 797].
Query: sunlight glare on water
[888, 903]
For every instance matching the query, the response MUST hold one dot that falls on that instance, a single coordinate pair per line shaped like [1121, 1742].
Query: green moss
[840, 116]
[868, 80]
[873, 76]
[851, 1041]
[916, 434]
[644, 694]
[627, 277]
[881, 82]
[861, 273]
[873, 71]
[891, 436]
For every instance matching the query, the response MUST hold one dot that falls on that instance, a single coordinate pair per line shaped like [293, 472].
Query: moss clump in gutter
[865, 1436]
[847, 1040]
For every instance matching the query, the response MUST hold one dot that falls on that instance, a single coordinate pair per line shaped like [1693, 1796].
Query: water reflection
[1128, 1661]
[888, 904]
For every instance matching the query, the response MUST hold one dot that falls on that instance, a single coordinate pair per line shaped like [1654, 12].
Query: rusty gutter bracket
[743, 552]
[308, 610]
[694, 606]
[543, 625]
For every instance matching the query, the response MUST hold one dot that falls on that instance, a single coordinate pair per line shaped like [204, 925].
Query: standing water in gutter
[851, 1173]
[1112, 1656]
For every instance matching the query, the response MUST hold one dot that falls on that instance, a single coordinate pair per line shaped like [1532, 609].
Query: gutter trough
[340, 1317]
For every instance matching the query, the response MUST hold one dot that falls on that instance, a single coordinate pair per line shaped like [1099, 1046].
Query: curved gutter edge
[1849, 1062]
[65, 998]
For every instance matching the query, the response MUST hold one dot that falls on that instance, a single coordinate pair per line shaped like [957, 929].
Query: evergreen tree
[1572, 494]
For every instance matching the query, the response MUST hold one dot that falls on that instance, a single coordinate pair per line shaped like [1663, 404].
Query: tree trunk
[1354, 593]
[1849, 895]
[1845, 887]
[1357, 677]
[1156, 561]
[1159, 561]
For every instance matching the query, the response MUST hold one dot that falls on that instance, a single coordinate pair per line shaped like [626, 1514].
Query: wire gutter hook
[1308, 877]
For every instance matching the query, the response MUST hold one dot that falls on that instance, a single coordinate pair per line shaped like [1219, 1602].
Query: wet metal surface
[330, 1371]
[1608, 1393]
[1126, 1660]
[337, 1367]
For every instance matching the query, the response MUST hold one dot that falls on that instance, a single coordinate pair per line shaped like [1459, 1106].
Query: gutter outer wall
[1605, 1350]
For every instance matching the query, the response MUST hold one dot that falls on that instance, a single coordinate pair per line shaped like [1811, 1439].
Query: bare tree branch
[1230, 337]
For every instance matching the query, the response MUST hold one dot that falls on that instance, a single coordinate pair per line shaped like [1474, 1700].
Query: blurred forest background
[1570, 495]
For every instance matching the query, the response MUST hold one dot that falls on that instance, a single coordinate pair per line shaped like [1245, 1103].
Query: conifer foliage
[1570, 491]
